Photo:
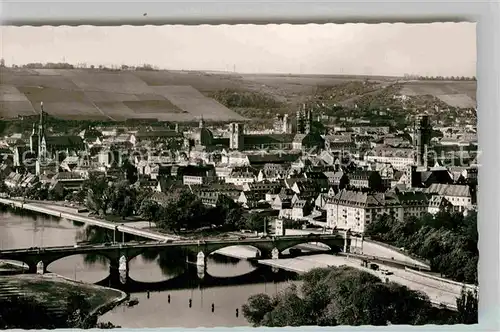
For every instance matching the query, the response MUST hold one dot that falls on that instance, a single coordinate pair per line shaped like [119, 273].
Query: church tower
[236, 131]
[42, 145]
[34, 141]
[301, 120]
[308, 122]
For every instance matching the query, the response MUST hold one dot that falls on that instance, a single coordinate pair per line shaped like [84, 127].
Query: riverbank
[9, 267]
[53, 290]
[72, 214]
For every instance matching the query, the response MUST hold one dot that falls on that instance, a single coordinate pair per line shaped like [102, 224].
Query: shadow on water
[28, 214]
[190, 279]
[226, 260]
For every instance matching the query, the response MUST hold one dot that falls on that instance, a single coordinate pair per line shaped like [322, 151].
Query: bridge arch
[321, 246]
[239, 251]
[93, 258]
[335, 245]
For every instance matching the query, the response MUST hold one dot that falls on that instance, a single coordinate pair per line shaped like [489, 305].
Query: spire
[41, 124]
[202, 123]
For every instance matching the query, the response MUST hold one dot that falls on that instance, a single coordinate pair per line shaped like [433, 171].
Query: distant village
[342, 179]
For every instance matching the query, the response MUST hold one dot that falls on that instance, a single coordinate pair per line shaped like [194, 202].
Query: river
[154, 278]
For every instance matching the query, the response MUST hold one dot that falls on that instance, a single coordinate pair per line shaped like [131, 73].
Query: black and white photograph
[238, 175]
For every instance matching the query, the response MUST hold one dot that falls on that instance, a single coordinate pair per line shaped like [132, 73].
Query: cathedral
[50, 150]
[305, 137]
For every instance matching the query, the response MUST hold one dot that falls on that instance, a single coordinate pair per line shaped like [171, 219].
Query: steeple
[202, 123]
[41, 124]
[41, 136]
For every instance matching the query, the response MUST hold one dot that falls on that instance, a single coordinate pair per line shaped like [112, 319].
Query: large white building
[398, 158]
[355, 210]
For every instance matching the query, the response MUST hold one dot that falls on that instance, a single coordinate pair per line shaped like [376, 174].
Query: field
[181, 95]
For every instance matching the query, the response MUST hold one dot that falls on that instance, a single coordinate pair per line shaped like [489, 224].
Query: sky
[437, 49]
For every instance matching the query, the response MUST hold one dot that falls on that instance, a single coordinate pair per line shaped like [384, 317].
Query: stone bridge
[120, 254]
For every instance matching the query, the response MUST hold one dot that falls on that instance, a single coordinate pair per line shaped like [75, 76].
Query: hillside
[94, 94]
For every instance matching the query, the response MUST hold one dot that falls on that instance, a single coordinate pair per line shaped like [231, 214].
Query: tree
[256, 222]
[343, 296]
[187, 211]
[77, 311]
[229, 212]
[2, 63]
[130, 171]
[97, 193]
[289, 310]
[122, 199]
[447, 239]
[467, 305]
[149, 210]
[256, 308]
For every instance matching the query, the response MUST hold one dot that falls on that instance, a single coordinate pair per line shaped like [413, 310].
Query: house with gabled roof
[317, 178]
[460, 196]
[307, 188]
[272, 172]
[301, 209]
[439, 203]
[251, 199]
[242, 175]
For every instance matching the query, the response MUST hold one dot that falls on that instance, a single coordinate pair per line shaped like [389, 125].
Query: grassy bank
[54, 290]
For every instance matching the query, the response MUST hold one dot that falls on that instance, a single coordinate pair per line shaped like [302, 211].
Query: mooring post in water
[168, 298]
[237, 312]
[190, 303]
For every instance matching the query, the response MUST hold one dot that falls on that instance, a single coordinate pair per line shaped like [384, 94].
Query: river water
[155, 278]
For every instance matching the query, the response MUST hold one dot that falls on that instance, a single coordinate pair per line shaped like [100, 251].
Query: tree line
[439, 78]
[179, 210]
[347, 296]
[65, 65]
[448, 240]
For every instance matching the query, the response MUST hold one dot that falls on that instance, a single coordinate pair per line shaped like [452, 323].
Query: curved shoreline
[101, 309]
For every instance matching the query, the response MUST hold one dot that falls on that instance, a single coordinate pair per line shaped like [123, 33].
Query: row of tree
[448, 240]
[439, 78]
[347, 296]
[179, 210]
[65, 65]
[186, 211]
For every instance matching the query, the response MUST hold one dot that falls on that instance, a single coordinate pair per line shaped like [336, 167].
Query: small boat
[132, 302]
